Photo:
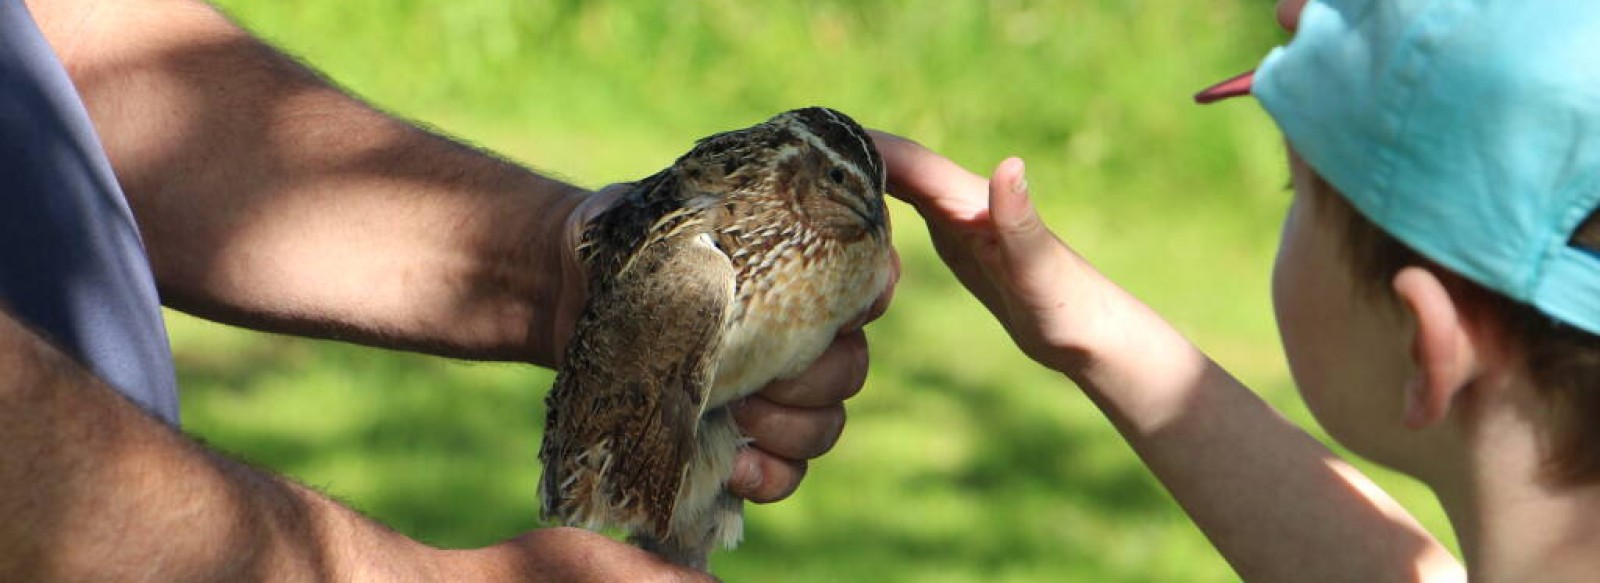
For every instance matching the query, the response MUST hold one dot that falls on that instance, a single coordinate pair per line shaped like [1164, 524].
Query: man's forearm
[269, 198]
[92, 488]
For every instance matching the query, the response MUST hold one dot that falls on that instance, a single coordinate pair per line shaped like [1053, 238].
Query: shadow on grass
[443, 451]
[1024, 449]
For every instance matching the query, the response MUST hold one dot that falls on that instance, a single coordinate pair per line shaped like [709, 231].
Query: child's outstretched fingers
[992, 238]
[940, 190]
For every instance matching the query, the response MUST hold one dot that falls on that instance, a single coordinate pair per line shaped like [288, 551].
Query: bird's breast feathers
[785, 321]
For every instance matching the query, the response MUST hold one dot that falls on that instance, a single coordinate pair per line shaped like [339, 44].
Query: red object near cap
[1233, 87]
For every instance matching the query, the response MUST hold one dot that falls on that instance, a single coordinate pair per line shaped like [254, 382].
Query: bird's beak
[879, 217]
[871, 211]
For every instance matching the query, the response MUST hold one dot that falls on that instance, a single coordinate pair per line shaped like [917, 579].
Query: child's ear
[1442, 351]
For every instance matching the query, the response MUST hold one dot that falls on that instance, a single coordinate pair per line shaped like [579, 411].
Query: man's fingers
[761, 477]
[836, 375]
[879, 304]
[797, 433]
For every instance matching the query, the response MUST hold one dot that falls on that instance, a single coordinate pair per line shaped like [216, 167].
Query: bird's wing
[627, 400]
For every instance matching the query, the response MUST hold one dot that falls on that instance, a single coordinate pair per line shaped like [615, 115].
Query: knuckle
[857, 363]
[830, 427]
[1027, 224]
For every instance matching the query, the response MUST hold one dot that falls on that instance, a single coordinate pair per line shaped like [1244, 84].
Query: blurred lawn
[963, 461]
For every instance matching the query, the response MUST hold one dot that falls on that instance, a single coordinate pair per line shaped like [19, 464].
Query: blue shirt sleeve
[72, 265]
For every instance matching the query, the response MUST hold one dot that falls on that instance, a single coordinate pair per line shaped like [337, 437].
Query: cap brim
[1232, 87]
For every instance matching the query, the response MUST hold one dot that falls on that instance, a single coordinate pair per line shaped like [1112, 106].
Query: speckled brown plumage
[732, 268]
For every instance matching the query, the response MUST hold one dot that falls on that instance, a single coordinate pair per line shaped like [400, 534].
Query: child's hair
[1562, 361]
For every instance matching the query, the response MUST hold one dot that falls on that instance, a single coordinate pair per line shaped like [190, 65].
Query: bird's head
[815, 161]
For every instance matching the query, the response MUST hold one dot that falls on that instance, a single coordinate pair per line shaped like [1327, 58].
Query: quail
[734, 267]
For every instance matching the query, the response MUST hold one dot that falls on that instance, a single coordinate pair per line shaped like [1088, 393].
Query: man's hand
[789, 421]
[569, 555]
[794, 420]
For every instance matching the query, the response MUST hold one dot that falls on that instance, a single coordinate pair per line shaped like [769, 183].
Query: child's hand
[1054, 304]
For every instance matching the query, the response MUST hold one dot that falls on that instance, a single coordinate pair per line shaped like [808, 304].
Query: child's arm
[1279, 505]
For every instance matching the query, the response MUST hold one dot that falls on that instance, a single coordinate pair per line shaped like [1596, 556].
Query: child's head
[1462, 137]
[1561, 361]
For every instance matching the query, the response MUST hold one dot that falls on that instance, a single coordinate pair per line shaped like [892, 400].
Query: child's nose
[1289, 13]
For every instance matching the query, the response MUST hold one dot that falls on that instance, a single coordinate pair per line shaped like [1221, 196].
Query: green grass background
[963, 461]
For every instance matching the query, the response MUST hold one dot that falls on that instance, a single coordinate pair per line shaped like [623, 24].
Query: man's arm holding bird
[269, 198]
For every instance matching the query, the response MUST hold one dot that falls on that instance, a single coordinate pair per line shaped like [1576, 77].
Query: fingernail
[1021, 184]
[747, 472]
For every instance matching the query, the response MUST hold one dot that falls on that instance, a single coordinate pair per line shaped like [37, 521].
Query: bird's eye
[836, 175]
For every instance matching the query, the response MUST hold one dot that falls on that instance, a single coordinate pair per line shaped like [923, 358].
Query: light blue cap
[1467, 129]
